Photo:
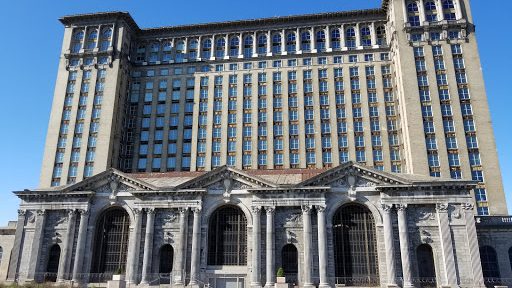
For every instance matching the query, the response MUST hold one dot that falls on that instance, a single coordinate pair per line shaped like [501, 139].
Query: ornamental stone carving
[442, 207]
[170, 217]
[294, 218]
[386, 207]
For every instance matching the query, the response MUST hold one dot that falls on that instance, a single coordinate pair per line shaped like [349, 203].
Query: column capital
[442, 207]
[70, 212]
[320, 208]
[83, 212]
[387, 207]
[22, 212]
[468, 206]
[270, 209]
[150, 210]
[401, 207]
[196, 210]
[182, 210]
[255, 209]
[137, 211]
[306, 209]
[41, 212]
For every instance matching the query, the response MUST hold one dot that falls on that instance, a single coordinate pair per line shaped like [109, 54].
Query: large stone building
[349, 148]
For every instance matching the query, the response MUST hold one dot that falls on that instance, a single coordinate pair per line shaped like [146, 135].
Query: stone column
[37, 242]
[269, 43]
[212, 49]
[255, 44]
[403, 232]
[328, 39]
[199, 48]
[196, 248]
[283, 42]
[308, 261]
[241, 46]
[446, 245]
[16, 249]
[358, 35]
[148, 245]
[133, 256]
[388, 244]
[256, 255]
[270, 247]
[298, 42]
[421, 9]
[439, 10]
[322, 247]
[226, 47]
[313, 40]
[474, 250]
[181, 257]
[374, 35]
[458, 9]
[67, 246]
[80, 246]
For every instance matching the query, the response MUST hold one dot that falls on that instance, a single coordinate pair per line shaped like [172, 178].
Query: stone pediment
[225, 179]
[111, 181]
[351, 175]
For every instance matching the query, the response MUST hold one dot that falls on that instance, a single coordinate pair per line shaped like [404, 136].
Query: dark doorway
[426, 266]
[53, 264]
[290, 260]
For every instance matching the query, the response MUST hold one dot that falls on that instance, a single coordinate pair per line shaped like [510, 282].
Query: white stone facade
[176, 208]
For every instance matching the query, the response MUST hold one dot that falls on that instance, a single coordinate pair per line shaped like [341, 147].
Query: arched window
[262, 44]
[192, 49]
[106, 36]
[180, 47]
[355, 246]
[248, 43]
[76, 44]
[206, 52]
[166, 259]
[111, 241]
[335, 38]
[52, 265]
[426, 266]
[290, 261]
[413, 15]
[234, 44]
[227, 237]
[431, 11]
[489, 259]
[305, 41]
[220, 45]
[350, 38]
[449, 10]
[366, 38]
[291, 42]
[320, 40]
[91, 40]
[78, 36]
[381, 35]
[276, 43]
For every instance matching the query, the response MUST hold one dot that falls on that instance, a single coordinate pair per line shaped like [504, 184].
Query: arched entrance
[490, 267]
[52, 267]
[111, 241]
[355, 246]
[227, 237]
[426, 266]
[290, 261]
[166, 263]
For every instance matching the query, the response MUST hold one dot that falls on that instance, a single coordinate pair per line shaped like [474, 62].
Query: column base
[308, 285]
[270, 285]
[324, 285]
[193, 284]
[256, 284]
[408, 285]
[392, 286]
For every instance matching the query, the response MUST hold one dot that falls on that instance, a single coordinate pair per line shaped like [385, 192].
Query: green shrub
[280, 272]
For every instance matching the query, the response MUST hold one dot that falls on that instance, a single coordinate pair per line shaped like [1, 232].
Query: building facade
[349, 148]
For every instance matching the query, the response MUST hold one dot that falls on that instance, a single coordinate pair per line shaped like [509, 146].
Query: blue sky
[31, 43]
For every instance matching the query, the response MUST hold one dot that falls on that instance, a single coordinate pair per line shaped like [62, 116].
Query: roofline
[123, 15]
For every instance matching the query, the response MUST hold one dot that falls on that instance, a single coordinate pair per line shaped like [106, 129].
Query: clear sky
[31, 43]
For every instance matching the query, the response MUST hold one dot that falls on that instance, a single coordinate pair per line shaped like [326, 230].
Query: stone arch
[290, 262]
[331, 210]
[52, 264]
[227, 237]
[219, 203]
[166, 253]
[112, 238]
[489, 260]
[355, 245]
[426, 264]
